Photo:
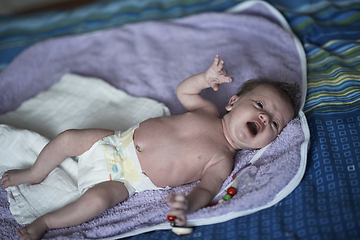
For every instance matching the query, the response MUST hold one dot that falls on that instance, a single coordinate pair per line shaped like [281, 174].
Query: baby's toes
[4, 184]
[22, 233]
[4, 178]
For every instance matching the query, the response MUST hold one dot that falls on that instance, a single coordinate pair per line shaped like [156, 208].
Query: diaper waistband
[122, 163]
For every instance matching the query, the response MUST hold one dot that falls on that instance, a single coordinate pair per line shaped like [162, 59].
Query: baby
[162, 152]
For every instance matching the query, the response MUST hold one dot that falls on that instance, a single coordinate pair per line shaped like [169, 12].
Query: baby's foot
[34, 230]
[16, 177]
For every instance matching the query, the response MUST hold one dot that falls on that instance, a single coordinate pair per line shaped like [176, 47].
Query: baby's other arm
[188, 91]
[201, 195]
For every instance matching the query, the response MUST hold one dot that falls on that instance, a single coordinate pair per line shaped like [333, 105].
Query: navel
[138, 148]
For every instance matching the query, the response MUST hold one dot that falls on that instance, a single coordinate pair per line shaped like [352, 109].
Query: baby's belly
[169, 169]
[171, 153]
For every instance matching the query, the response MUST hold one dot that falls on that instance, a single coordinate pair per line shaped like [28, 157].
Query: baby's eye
[275, 124]
[260, 105]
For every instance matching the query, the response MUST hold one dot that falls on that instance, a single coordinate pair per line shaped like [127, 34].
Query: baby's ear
[231, 103]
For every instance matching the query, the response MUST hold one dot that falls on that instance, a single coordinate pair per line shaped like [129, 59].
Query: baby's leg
[93, 202]
[68, 143]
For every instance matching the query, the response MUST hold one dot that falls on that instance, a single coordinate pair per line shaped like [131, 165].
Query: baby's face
[257, 117]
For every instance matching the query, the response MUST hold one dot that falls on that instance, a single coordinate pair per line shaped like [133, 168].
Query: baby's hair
[291, 90]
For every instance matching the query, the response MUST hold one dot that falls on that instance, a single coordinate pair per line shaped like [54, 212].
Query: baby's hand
[216, 75]
[179, 206]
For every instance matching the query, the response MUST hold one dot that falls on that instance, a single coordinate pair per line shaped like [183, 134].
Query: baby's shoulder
[224, 161]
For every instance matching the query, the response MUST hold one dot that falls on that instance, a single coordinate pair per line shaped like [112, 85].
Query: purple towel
[149, 60]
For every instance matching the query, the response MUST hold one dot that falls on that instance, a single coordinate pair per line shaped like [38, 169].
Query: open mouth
[253, 128]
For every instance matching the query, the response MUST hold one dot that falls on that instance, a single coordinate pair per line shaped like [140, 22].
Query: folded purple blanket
[149, 60]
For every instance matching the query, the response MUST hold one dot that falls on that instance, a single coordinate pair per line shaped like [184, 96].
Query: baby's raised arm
[188, 91]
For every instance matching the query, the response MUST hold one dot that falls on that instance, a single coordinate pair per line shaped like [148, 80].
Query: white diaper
[113, 158]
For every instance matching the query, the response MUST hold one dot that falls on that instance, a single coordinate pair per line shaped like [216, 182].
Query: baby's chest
[197, 148]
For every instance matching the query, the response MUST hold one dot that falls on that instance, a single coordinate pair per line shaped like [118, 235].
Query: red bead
[171, 218]
[213, 204]
[231, 191]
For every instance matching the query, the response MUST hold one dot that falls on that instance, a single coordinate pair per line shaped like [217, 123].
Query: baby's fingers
[228, 79]
[223, 72]
[180, 217]
[216, 60]
[179, 205]
[175, 197]
[215, 86]
[219, 64]
[224, 79]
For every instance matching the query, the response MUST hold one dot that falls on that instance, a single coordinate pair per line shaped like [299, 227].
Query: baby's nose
[264, 118]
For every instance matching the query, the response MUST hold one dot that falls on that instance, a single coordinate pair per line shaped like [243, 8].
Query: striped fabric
[331, 38]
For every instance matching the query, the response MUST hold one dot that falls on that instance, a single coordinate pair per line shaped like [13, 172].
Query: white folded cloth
[74, 102]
